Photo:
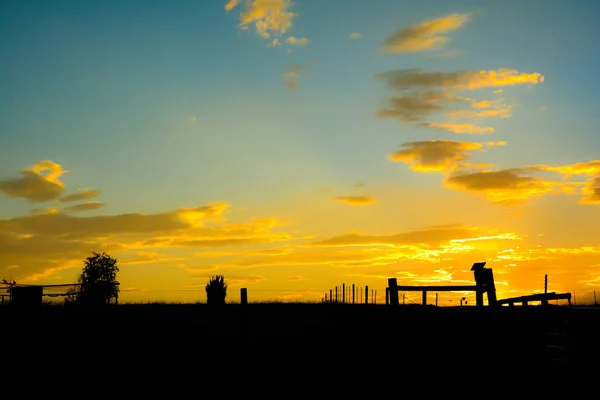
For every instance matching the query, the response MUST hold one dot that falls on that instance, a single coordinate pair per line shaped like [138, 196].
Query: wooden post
[330, 297]
[353, 293]
[545, 283]
[243, 295]
[387, 296]
[336, 295]
[343, 292]
[366, 295]
[393, 291]
[436, 298]
[424, 297]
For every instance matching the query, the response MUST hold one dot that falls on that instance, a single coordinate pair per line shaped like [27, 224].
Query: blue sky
[162, 105]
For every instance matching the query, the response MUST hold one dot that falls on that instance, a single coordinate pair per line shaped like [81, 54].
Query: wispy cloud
[90, 205]
[355, 35]
[438, 155]
[294, 41]
[230, 5]
[83, 194]
[291, 77]
[426, 35]
[356, 200]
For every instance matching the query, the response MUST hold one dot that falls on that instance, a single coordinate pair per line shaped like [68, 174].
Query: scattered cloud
[291, 77]
[498, 91]
[459, 128]
[356, 200]
[296, 41]
[426, 35]
[83, 194]
[508, 187]
[355, 35]
[274, 43]
[90, 205]
[230, 5]
[38, 183]
[269, 17]
[438, 155]
[425, 95]
[471, 80]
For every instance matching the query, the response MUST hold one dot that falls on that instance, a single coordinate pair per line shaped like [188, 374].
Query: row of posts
[339, 295]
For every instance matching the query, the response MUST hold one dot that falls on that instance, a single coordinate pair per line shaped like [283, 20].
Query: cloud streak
[356, 200]
[438, 155]
[426, 35]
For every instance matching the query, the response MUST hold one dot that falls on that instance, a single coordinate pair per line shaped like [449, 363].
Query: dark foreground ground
[314, 339]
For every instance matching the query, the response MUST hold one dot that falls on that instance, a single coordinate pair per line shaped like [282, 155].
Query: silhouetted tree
[98, 280]
[216, 290]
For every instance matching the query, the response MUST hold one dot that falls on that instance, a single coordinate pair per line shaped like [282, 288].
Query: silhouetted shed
[27, 296]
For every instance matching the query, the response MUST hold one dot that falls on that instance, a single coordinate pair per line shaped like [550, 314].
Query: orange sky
[261, 141]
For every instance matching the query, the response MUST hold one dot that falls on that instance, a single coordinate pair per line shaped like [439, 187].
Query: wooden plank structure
[484, 284]
[543, 297]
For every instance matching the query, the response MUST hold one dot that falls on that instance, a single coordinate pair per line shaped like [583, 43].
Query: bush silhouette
[97, 282]
[216, 290]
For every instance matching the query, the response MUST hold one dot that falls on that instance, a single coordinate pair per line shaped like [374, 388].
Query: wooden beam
[458, 288]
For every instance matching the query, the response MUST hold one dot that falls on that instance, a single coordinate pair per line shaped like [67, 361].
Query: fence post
[393, 291]
[244, 295]
[366, 295]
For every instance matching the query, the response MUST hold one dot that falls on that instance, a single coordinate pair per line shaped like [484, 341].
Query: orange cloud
[231, 4]
[459, 128]
[355, 35]
[507, 187]
[270, 17]
[426, 35]
[438, 155]
[583, 168]
[356, 200]
[38, 184]
[407, 78]
[592, 192]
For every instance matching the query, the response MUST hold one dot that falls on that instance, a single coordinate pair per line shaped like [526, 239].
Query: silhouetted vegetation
[216, 290]
[97, 282]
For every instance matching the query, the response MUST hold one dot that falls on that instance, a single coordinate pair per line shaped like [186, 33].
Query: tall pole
[545, 283]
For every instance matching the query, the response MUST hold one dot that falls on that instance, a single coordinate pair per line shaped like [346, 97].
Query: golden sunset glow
[297, 146]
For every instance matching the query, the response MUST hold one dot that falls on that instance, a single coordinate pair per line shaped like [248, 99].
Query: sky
[297, 146]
